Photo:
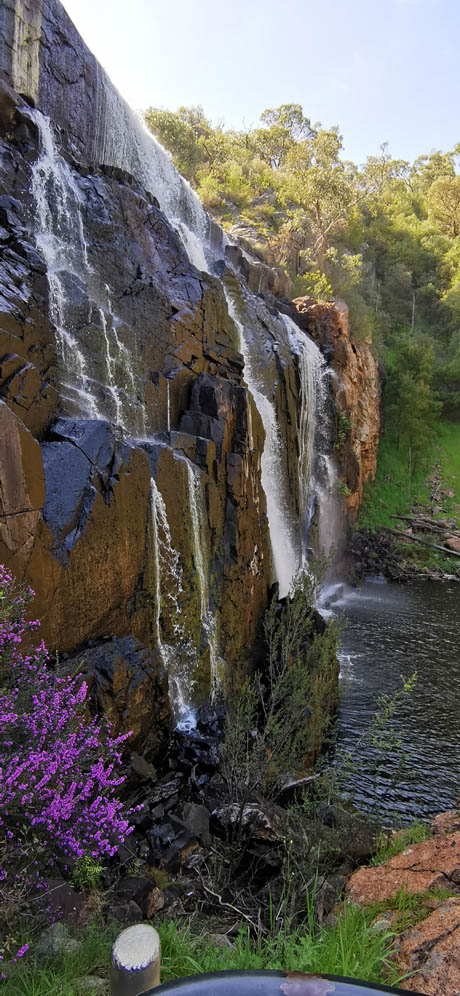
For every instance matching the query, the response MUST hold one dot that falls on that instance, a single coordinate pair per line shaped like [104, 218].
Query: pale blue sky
[383, 71]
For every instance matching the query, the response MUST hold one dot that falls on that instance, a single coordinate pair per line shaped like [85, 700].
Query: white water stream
[202, 568]
[178, 657]
[317, 471]
[285, 556]
[123, 141]
[58, 212]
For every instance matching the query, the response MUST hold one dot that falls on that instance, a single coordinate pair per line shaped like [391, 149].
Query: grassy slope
[390, 494]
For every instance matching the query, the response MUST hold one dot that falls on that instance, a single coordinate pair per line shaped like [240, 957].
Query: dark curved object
[270, 984]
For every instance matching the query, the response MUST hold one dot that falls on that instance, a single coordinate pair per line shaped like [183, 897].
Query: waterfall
[124, 379]
[316, 467]
[168, 406]
[201, 563]
[121, 140]
[58, 212]
[285, 557]
[110, 365]
[60, 238]
[311, 369]
[193, 245]
[177, 657]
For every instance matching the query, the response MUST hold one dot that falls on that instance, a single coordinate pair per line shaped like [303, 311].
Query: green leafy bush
[86, 873]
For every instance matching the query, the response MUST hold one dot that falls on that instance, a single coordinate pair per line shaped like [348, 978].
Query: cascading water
[110, 364]
[178, 658]
[168, 406]
[317, 472]
[124, 379]
[285, 556]
[202, 570]
[60, 238]
[122, 141]
[58, 211]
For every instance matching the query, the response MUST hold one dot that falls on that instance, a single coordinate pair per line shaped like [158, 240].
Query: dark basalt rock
[125, 683]
[373, 553]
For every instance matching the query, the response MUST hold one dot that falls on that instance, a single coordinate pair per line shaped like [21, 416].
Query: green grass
[449, 449]
[390, 494]
[388, 848]
[409, 908]
[57, 976]
[350, 947]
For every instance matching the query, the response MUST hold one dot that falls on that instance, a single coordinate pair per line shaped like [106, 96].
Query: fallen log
[416, 539]
[430, 525]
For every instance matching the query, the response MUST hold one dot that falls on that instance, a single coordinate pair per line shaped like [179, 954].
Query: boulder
[126, 912]
[431, 950]
[264, 822]
[431, 864]
[66, 903]
[453, 542]
[445, 823]
[56, 941]
[153, 902]
[142, 768]
[196, 819]
[141, 891]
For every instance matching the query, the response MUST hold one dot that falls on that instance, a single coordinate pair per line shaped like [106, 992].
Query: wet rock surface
[123, 390]
[356, 389]
[127, 684]
[86, 550]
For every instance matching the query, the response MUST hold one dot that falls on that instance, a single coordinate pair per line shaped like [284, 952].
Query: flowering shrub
[58, 767]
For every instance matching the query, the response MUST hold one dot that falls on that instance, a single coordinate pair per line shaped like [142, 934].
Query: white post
[135, 961]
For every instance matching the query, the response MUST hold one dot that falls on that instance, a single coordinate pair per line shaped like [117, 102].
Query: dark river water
[391, 631]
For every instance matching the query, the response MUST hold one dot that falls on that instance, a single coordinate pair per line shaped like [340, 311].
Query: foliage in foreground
[276, 722]
[350, 947]
[58, 766]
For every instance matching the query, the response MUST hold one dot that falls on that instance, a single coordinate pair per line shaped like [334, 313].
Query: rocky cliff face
[76, 491]
[159, 416]
[356, 390]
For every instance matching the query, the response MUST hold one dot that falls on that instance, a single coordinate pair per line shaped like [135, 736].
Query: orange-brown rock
[357, 391]
[453, 542]
[445, 823]
[22, 491]
[431, 864]
[431, 949]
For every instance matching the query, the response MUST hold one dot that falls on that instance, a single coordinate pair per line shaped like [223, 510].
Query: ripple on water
[394, 630]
